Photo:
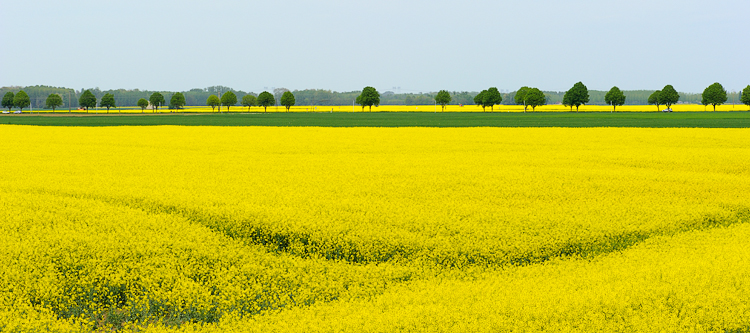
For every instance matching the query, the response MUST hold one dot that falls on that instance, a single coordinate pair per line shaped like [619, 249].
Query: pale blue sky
[419, 46]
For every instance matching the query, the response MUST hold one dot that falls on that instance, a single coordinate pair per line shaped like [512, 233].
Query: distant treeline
[198, 97]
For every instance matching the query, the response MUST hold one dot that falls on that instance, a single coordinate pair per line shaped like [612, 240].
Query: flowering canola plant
[374, 229]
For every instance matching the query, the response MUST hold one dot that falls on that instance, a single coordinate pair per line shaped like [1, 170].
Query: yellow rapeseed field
[171, 228]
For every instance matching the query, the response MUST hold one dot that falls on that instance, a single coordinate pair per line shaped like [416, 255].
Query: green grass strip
[738, 119]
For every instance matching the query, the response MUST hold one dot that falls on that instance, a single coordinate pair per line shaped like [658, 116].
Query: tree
[249, 100]
[8, 101]
[534, 98]
[143, 103]
[668, 96]
[108, 101]
[277, 93]
[578, 95]
[654, 99]
[566, 100]
[745, 96]
[614, 97]
[368, 97]
[87, 100]
[479, 99]
[21, 100]
[521, 96]
[265, 99]
[443, 98]
[213, 101]
[177, 100]
[287, 100]
[491, 98]
[156, 100]
[53, 101]
[228, 99]
[705, 103]
[714, 95]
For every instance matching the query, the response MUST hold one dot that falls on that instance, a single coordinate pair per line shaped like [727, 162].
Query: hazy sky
[419, 46]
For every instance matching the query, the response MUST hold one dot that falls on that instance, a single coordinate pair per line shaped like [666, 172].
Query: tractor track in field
[301, 243]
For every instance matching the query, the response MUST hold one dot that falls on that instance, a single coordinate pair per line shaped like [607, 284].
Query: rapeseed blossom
[373, 229]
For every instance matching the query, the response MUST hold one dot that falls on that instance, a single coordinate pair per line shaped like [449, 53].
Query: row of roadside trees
[578, 95]
[714, 95]
[87, 100]
[264, 99]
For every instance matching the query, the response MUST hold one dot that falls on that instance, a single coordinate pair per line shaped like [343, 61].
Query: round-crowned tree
[228, 99]
[668, 96]
[177, 101]
[157, 100]
[479, 99]
[213, 101]
[108, 101]
[21, 100]
[249, 100]
[614, 97]
[714, 95]
[287, 100]
[745, 96]
[654, 99]
[520, 97]
[8, 100]
[443, 98]
[143, 103]
[266, 99]
[87, 100]
[534, 98]
[53, 101]
[491, 98]
[578, 95]
[566, 100]
[369, 97]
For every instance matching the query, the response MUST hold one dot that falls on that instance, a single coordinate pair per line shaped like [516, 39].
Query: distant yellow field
[550, 108]
[308, 229]
[432, 108]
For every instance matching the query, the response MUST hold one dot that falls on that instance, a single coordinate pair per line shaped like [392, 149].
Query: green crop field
[739, 119]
